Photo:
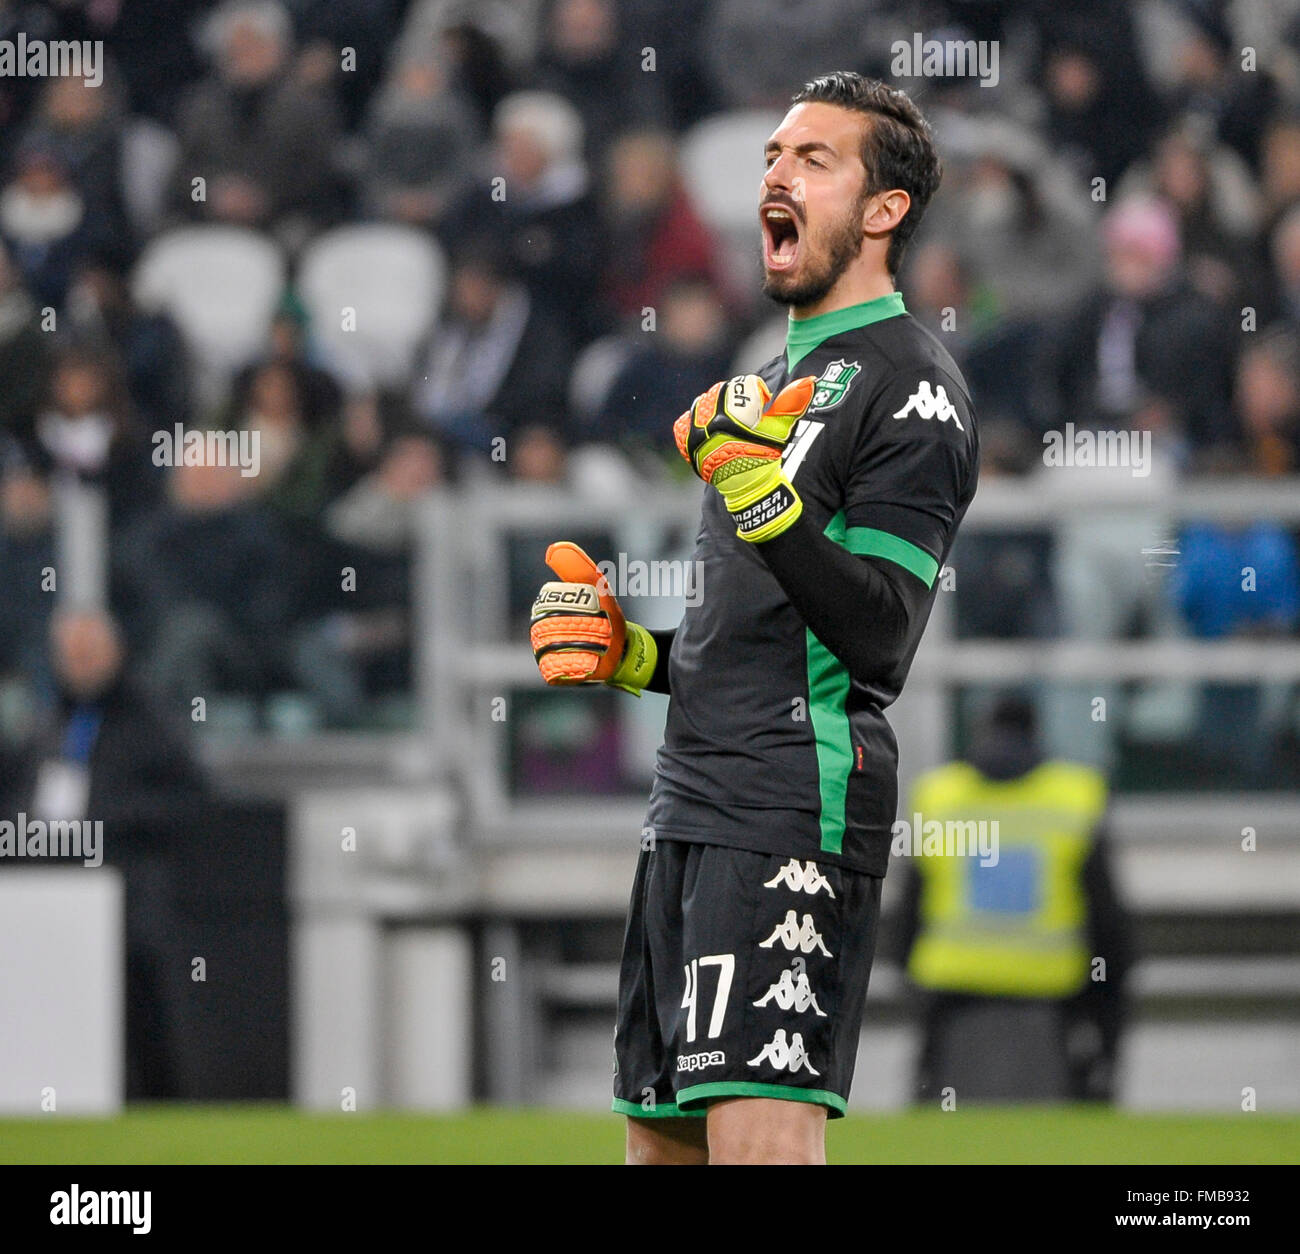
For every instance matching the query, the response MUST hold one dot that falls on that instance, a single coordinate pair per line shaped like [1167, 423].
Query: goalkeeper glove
[578, 631]
[733, 436]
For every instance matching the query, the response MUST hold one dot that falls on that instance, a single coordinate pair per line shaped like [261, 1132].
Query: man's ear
[884, 211]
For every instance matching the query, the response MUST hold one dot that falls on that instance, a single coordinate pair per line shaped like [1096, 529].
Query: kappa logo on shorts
[697, 1062]
[801, 879]
[785, 1055]
[791, 993]
[795, 935]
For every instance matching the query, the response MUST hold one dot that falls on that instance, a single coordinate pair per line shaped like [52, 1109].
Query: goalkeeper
[837, 476]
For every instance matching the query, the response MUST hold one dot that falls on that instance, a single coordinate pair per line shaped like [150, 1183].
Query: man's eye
[816, 165]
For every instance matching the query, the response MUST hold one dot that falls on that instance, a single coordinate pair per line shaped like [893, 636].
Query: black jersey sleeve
[860, 608]
[911, 471]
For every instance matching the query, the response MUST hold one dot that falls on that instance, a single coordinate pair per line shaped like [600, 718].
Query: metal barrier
[466, 662]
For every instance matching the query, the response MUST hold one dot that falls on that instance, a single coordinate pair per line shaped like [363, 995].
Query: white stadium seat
[221, 285]
[722, 165]
[386, 281]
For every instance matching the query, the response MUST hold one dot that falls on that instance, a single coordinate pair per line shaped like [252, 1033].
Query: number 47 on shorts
[726, 964]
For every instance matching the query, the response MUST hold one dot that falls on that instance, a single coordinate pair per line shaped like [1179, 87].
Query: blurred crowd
[1116, 244]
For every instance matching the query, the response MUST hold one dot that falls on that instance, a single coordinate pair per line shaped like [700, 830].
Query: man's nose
[777, 175]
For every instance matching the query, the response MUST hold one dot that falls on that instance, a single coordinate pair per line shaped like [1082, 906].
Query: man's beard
[843, 244]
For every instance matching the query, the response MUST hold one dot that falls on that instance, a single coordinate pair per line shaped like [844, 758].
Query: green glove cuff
[640, 657]
[764, 504]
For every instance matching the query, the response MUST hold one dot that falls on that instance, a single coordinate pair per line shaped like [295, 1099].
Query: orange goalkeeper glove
[733, 436]
[578, 632]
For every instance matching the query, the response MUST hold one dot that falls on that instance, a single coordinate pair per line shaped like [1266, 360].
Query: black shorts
[743, 975]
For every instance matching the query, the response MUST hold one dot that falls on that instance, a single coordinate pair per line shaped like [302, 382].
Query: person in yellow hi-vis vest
[1010, 924]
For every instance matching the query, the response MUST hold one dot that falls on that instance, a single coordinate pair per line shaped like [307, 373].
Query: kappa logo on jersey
[801, 879]
[930, 404]
[697, 1062]
[783, 1055]
[795, 935]
[791, 993]
[833, 385]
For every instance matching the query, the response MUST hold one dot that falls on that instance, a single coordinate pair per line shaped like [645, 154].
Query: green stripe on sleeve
[828, 691]
[868, 542]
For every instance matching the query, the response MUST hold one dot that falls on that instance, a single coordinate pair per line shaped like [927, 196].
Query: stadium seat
[220, 284]
[392, 278]
[722, 165]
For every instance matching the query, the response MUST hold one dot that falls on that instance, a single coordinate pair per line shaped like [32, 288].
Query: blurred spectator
[380, 511]
[156, 71]
[753, 51]
[80, 126]
[366, 423]
[690, 350]
[535, 198]
[325, 27]
[1145, 343]
[289, 344]
[1243, 581]
[1101, 112]
[206, 587]
[499, 35]
[421, 135]
[1004, 574]
[24, 351]
[1209, 188]
[586, 58]
[263, 141]
[475, 62]
[359, 644]
[1003, 940]
[106, 753]
[27, 553]
[499, 358]
[538, 455]
[1021, 222]
[1268, 402]
[939, 286]
[47, 225]
[652, 232]
[19, 92]
[1212, 87]
[1285, 275]
[296, 456]
[148, 344]
[1280, 176]
[87, 430]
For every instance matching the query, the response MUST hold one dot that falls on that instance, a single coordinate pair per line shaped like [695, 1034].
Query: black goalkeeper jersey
[770, 744]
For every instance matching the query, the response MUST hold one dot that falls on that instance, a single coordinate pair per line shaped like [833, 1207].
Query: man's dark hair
[897, 147]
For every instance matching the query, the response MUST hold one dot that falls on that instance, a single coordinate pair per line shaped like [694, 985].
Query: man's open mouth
[780, 237]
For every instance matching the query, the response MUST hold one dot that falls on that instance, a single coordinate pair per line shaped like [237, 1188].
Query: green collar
[804, 334]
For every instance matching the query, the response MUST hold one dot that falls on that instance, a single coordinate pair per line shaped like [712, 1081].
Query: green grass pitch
[276, 1134]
